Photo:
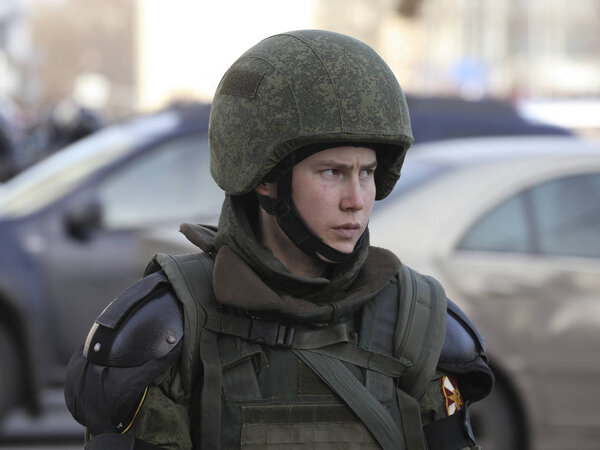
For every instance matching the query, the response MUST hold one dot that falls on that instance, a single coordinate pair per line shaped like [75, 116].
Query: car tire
[496, 421]
[9, 372]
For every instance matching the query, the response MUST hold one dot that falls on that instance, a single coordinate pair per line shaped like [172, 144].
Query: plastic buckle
[271, 333]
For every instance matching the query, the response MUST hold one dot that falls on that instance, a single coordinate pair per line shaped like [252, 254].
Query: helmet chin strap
[289, 220]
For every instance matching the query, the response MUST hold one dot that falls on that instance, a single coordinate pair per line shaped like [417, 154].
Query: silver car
[511, 227]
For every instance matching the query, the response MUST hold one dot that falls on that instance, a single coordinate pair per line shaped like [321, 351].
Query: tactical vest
[349, 384]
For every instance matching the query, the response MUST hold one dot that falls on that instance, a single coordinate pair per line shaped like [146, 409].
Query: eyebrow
[341, 165]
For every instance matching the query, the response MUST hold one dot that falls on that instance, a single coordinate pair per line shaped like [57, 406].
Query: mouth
[348, 230]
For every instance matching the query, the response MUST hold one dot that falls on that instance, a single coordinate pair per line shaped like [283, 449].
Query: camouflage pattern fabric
[302, 88]
[164, 422]
[161, 420]
[432, 401]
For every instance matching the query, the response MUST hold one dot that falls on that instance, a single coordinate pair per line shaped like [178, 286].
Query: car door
[159, 189]
[530, 268]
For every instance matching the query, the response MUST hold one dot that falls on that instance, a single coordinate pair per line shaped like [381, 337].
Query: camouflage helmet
[299, 89]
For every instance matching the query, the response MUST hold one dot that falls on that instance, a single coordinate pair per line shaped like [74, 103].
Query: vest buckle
[271, 333]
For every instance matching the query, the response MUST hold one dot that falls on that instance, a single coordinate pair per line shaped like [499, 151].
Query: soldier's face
[334, 191]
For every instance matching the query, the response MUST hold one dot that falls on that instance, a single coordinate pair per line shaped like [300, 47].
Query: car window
[66, 169]
[414, 174]
[503, 229]
[567, 216]
[170, 184]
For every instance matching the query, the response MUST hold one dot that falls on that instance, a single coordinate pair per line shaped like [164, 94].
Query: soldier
[287, 330]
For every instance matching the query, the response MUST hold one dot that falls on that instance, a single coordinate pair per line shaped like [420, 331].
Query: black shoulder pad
[463, 354]
[134, 340]
[144, 323]
[462, 343]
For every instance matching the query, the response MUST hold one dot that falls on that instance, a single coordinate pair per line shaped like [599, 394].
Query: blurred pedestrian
[7, 152]
[288, 329]
[69, 122]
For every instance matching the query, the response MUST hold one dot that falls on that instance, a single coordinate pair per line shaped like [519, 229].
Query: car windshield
[61, 172]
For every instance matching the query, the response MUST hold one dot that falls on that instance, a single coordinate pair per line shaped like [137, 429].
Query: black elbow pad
[134, 340]
[463, 354]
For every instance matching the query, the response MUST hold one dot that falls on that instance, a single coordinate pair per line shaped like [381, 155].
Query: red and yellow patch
[453, 401]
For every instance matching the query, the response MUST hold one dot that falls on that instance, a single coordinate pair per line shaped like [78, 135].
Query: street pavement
[54, 429]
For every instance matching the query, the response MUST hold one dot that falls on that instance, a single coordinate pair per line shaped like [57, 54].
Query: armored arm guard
[463, 377]
[135, 339]
[463, 355]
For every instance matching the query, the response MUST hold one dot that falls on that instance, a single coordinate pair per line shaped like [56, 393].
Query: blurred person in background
[288, 328]
[7, 152]
[33, 137]
[69, 122]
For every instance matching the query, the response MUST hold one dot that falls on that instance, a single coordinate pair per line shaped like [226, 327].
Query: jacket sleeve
[161, 420]
[123, 381]
[445, 415]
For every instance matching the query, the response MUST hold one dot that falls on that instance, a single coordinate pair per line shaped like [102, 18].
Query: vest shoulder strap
[420, 328]
[407, 320]
[191, 277]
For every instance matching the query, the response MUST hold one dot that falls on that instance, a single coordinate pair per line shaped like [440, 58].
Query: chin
[344, 248]
[347, 249]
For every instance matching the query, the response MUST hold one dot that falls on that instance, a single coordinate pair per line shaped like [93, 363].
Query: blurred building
[86, 51]
[129, 55]
[475, 48]
[17, 57]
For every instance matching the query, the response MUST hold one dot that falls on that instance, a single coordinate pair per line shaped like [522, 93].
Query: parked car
[79, 227]
[511, 227]
[435, 118]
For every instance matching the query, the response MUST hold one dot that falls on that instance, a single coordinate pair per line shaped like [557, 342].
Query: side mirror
[83, 217]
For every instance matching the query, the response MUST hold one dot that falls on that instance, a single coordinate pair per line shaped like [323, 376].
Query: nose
[353, 196]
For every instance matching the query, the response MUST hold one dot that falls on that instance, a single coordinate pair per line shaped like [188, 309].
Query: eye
[331, 172]
[367, 173]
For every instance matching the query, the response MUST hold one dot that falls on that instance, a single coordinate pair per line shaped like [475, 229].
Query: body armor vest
[353, 383]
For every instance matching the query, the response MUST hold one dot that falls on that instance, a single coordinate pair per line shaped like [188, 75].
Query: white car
[511, 227]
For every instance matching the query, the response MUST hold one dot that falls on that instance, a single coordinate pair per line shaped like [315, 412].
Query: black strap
[275, 334]
[332, 341]
[207, 397]
[383, 364]
[210, 398]
[368, 409]
[411, 419]
[294, 227]
[290, 221]
[449, 433]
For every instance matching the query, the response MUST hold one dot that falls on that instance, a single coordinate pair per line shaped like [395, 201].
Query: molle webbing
[326, 426]
[334, 341]
[372, 413]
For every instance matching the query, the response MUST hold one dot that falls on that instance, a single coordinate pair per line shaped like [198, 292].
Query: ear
[267, 189]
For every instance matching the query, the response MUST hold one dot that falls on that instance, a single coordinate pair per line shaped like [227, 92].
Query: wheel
[496, 421]
[9, 372]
